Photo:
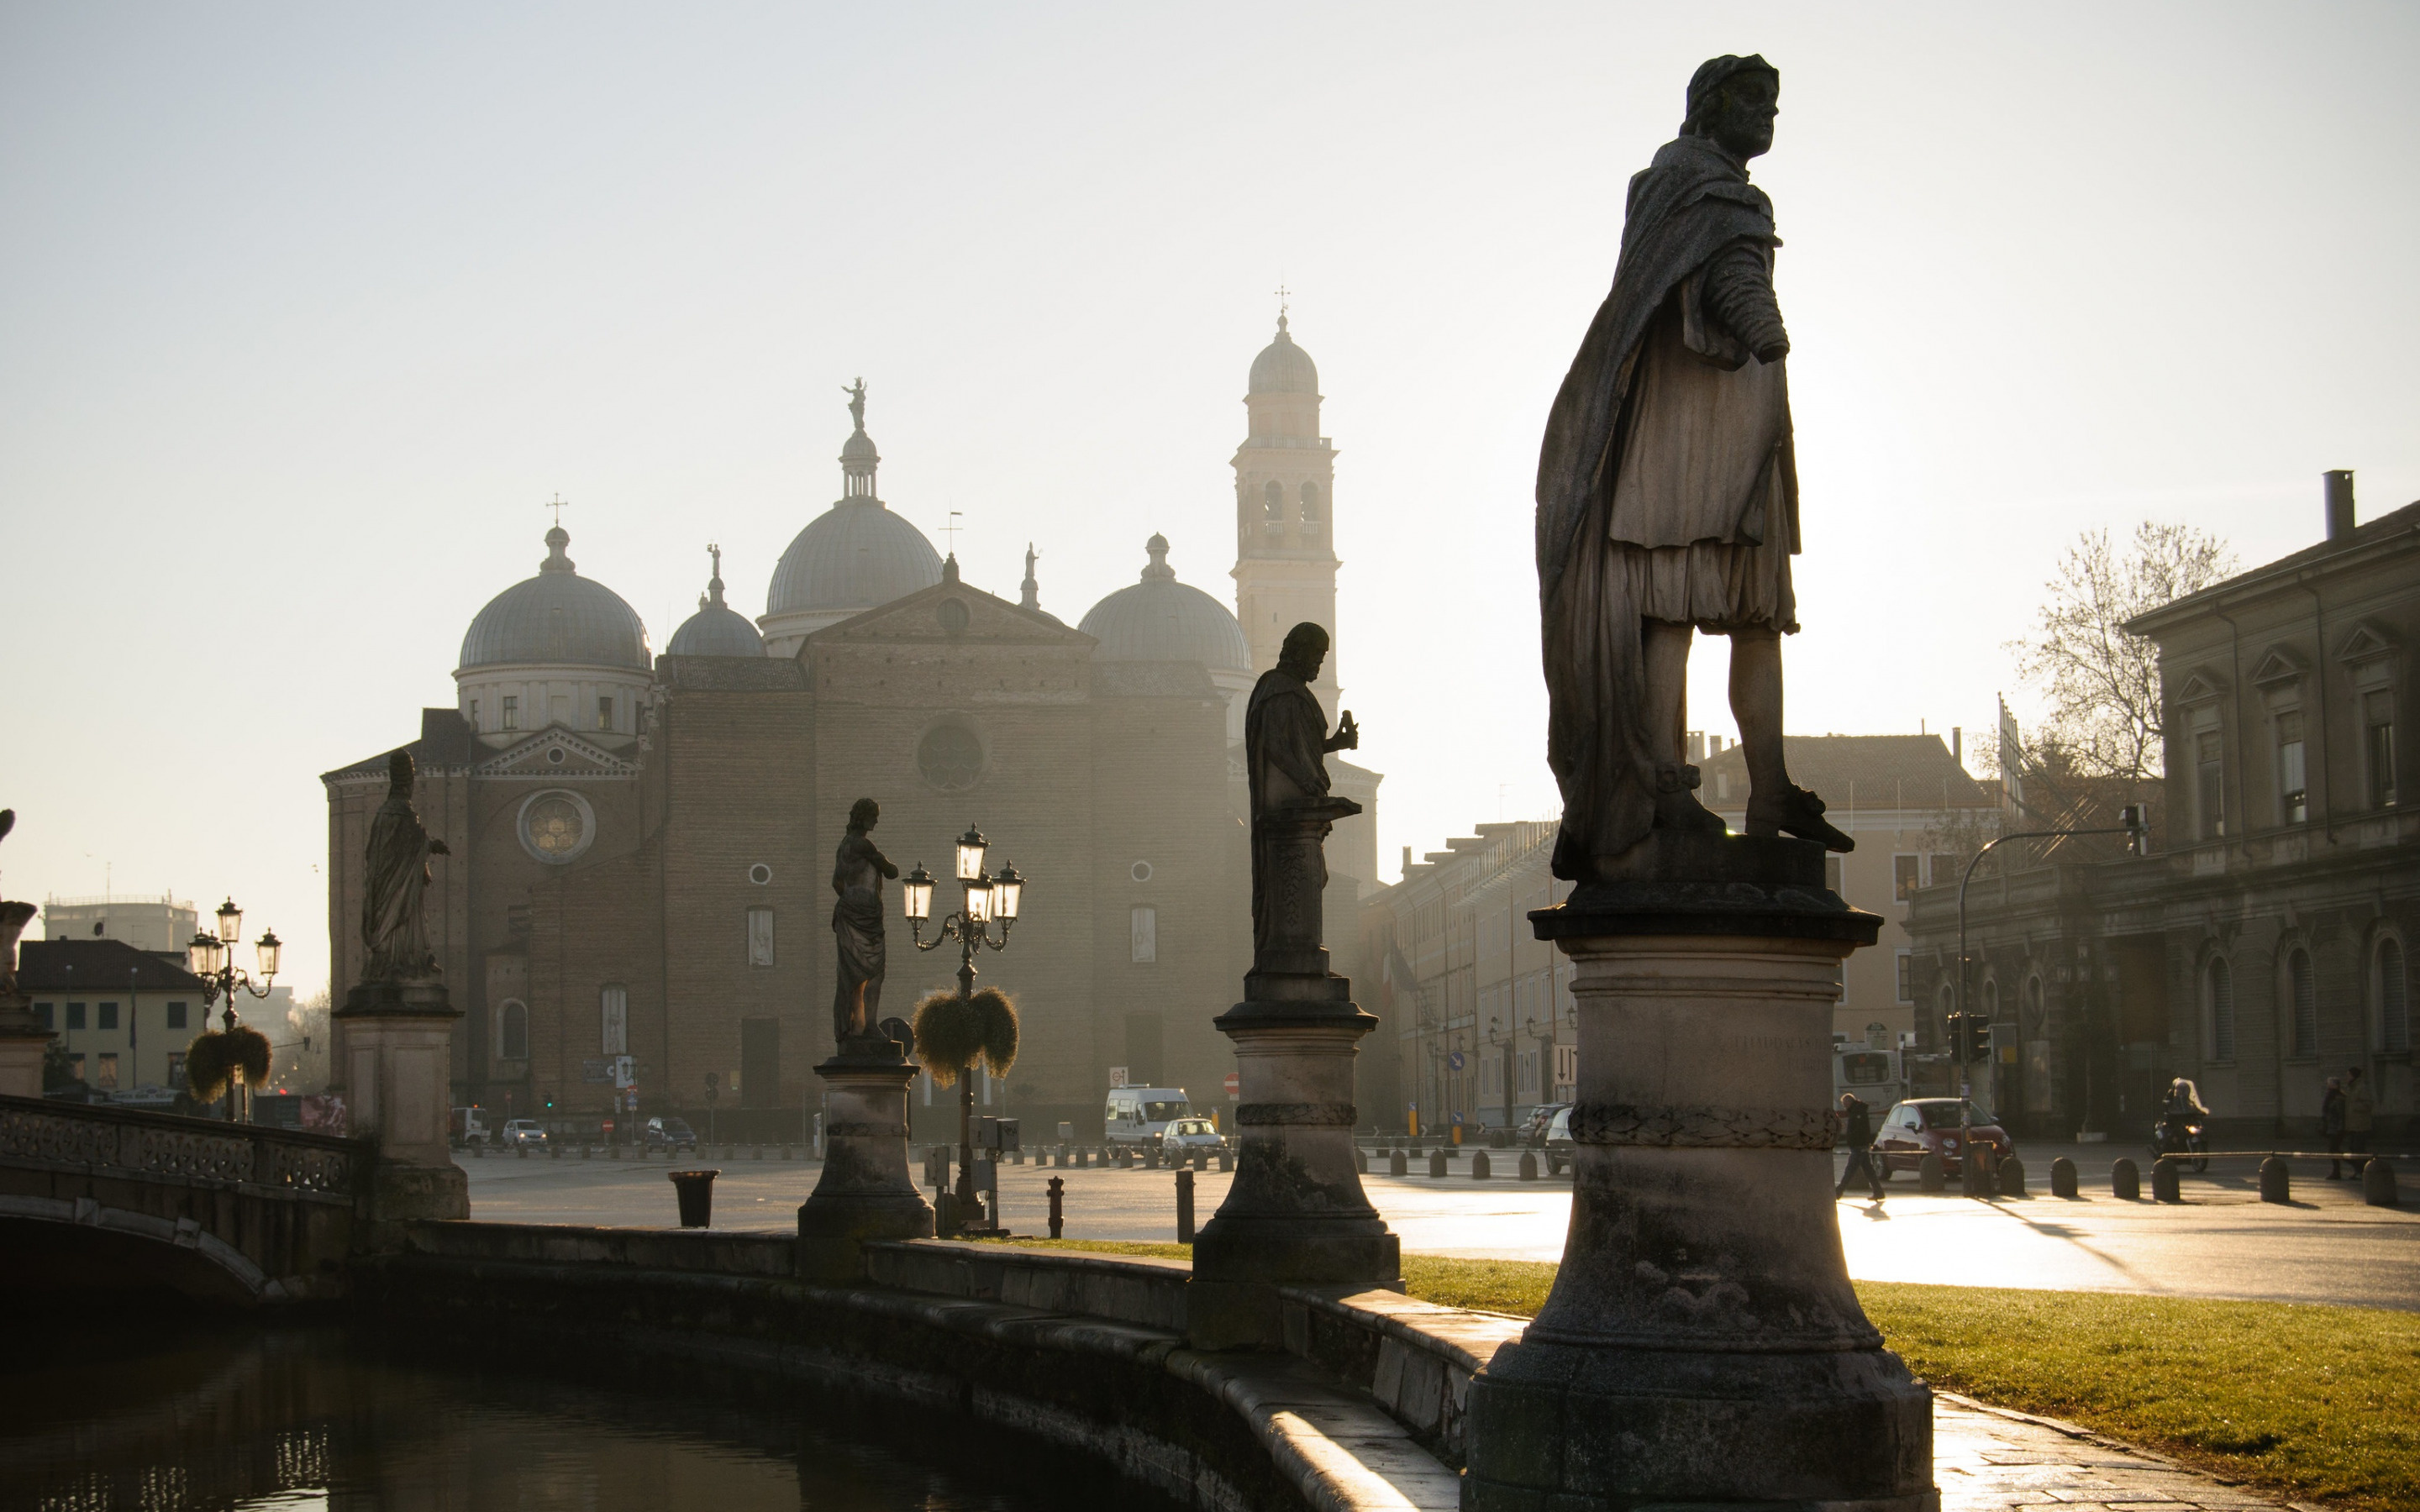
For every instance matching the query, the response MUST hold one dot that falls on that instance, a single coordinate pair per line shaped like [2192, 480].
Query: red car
[1935, 1125]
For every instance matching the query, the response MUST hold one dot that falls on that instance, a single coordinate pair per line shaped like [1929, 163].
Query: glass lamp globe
[230, 922]
[971, 846]
[979, 899]
[1007, 893]
[198, 953]
[916, 891]
[269, 946]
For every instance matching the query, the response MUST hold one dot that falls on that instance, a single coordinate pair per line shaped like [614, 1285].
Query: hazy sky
[304, 311]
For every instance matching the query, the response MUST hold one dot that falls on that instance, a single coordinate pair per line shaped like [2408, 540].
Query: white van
[1139, 1115]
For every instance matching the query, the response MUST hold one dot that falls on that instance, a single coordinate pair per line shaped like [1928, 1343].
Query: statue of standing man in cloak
[860, 954]
[394, 891]
[1667, 496]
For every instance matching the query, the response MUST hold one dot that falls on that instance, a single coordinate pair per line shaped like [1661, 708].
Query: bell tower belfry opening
[1286, 475]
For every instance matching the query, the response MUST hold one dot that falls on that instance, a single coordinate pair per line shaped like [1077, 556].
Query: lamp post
[212, 957]
[987, 898]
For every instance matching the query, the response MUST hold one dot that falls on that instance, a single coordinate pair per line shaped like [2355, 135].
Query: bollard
[2378, 1183]
[1201, 1160]
[1396, 1164]
[612, 1152]
[1361, 1160]
[1437, 1163]
[1930, 1175]
[2012, 1178]
[2062, 1177]
[2126, 1180]
[585, 1151]
[785, 1152]
[1226, 1159]
[1478, 1167]
[756, 1153]
[694, 1192]
[553, 1150]
[1528, 1166]
[521, 1149]
[1185, 1207]
[2167, 1182]
[1058, 1204]
[2275, 1184]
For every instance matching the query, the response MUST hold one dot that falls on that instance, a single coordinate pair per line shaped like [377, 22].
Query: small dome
[557, 618]
[1283, 367]
[716, 629]
[855, 555]
[1161, 619]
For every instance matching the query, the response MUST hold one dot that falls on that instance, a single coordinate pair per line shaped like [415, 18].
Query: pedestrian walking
[2361, 1111]
[1857, 1134]
[2332, 1127]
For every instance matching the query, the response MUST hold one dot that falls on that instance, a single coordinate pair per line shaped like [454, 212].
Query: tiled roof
[444, 741]
[96, 965]
[2398, 522]
[1863, 771]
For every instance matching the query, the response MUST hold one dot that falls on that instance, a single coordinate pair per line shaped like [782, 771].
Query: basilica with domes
[642, 844]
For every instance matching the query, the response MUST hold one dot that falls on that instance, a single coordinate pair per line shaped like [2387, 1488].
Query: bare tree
[2102, 680]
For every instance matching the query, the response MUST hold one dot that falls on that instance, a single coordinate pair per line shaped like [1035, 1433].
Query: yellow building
[123, 1016]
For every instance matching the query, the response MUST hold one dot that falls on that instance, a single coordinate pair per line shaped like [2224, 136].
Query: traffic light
[1970, 1037]
[549, 1104]
[2136, 818]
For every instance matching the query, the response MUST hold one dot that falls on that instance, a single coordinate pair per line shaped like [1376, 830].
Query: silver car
[1192, 1134]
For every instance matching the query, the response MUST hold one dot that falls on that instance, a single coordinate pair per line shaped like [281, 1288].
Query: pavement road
[2327, 1246]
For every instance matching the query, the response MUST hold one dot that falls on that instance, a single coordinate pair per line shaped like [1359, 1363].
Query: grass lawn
[2310, 1401]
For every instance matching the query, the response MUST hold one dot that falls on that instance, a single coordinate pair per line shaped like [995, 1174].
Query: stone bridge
[108, 1199]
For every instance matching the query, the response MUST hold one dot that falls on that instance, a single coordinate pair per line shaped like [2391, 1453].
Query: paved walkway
[1983, 1457]
[2222, 1241]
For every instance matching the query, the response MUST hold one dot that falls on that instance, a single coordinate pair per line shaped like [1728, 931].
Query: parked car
[671, 1134]
[524, 1132]
[1541, 1117]
[1559, 1149]
[1192, 1134]
[1140, 1115]
[1937, 1126]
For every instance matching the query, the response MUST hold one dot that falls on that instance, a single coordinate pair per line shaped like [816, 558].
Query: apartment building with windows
[2266, 944]
[123, 1016]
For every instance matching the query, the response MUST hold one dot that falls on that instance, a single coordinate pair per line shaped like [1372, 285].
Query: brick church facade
[642, 845]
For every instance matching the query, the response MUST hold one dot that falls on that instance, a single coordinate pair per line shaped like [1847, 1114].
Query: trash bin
[695, 1189]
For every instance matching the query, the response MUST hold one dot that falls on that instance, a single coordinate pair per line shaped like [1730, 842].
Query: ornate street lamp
[211, 957]
[987, 898]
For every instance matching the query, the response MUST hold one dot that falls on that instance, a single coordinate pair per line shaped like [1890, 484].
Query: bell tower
[1285, 475]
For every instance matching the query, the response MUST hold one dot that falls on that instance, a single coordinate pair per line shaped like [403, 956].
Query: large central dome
[1161, 619]
[853, 557]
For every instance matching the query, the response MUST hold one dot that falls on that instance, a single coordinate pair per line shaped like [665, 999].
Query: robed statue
[1285, 746]
[859, 952]
[1668, 496]
[394, 927]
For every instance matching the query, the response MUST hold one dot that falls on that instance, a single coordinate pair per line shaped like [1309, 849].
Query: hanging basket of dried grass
[247, 1051]
[954, 1033]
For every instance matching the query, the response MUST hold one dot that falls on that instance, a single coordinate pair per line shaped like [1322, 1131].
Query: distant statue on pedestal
[1285, 746]
[14, 916]
[859, 950]
[394, 927]
[1667, 496]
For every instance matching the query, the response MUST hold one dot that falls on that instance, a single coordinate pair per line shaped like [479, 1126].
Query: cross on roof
[1281, 301]
[952, 529]
[558, 506]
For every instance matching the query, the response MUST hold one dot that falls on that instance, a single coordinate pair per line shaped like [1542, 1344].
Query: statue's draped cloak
[860, 954]
[1619, 536]
[1285, 735]
[395, 932]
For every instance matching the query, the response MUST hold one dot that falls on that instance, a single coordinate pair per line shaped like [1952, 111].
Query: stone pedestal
[865, 1192]
[1296, 1214]
[22, 1039]
[395, 1053]
[1702, 1345]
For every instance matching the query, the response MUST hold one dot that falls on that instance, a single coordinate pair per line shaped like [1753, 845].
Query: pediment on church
[2201, 685]
[2279, 664]
[950, 612]
[555, 755]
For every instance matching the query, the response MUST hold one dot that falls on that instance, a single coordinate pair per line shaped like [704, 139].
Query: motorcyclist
[2181, 1111]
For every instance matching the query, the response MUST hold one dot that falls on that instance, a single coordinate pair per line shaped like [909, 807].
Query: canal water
[190, 1413]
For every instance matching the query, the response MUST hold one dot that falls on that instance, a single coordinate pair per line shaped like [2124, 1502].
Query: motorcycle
[2177, 1134]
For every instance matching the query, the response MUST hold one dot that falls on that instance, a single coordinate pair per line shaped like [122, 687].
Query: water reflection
[323, 1418]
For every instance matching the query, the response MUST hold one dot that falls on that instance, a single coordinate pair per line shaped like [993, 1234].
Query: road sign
[1454, 1061]
[1235, 1086]
[1117, 1076]
[598, 1073]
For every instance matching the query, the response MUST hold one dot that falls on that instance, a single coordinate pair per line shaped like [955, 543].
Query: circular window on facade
[555, 755]
[760, 873]
[953, 616]
[1141, 870]
[951, 757]
[557, 826]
